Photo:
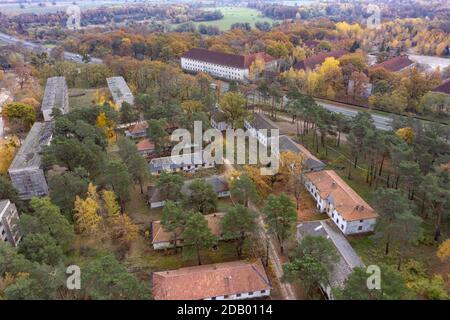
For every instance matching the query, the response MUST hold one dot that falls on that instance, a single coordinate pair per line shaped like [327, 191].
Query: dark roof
[443, 87]
[311, 163]
[395, 64]
[219, 184]
[226, 59]
[259, 121]
[312, 62]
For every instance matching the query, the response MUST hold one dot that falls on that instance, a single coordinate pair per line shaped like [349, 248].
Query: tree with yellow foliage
[406, 133]
[112, 208]
[121, 227]
[104, 123]
[7, 152]
[123, 230]
[331, 74]
[87, 219]
[263, 183]
[192, 106]
[443, 252]
[256, 68]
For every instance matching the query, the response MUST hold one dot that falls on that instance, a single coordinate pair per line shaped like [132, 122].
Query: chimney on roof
[361, 208]
[333, 184]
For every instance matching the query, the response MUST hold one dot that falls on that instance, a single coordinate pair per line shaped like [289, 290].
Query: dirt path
[276, 260]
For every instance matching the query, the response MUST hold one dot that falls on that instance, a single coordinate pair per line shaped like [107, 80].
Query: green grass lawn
[233, 15]
[79, 98]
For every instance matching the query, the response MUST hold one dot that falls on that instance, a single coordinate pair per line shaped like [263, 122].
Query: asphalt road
[37, 47]
[381, 122]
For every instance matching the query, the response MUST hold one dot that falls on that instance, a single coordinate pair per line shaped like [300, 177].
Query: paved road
[39, 48]
[381, 122]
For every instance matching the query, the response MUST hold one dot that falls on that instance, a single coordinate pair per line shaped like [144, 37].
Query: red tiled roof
[225, 59]
[139, 127]
[312, 62]
[261, 55]
[145, 144]
[345, 200]
[443, 87]
[395, 64]
[208, 281]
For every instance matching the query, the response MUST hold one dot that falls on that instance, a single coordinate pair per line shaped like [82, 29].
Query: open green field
[15, 9]
[235, 14]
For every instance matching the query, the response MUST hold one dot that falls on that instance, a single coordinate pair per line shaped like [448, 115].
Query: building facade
[222, 65]
[56, 96]
[185, 162]
[26, 172]
[9, 217]
[350, 213]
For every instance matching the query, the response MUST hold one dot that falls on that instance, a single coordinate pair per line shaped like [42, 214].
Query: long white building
[350, 213]
[223, 65]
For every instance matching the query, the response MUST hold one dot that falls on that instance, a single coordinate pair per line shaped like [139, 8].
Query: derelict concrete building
[26, 172]
[120, 91]
[56, 95]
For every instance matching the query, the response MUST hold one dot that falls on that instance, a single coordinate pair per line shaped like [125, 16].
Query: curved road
[37, 47]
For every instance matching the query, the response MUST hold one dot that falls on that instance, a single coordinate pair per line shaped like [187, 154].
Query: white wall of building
[243, 295]
[215, 70]
[346, 227]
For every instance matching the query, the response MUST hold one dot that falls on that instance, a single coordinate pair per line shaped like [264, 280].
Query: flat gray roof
[29, 153]
[119, 89]
[53, 94]
[348, 259]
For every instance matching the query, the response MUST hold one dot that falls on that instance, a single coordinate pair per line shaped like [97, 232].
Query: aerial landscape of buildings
[354, 118]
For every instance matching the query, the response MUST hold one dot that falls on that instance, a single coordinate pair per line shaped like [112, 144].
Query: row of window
[238, 295]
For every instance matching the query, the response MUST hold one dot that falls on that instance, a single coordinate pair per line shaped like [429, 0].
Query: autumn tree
[355, 288]
[173, 220]
[157, 134]
[202, 197]
[397, 225]
[20, 113]
[87, 219]
[197, 235]
[238, 223]
[233, 106]
[281, 214]
[170, 185]
[311, 264]
[243, 189]
[117, 177]
[136, 164]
